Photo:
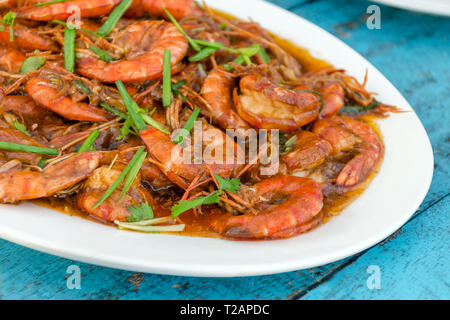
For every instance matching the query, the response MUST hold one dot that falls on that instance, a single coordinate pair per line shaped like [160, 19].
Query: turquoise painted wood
[412, 50]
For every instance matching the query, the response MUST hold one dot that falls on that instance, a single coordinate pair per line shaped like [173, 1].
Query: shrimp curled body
[289, 206]
[145, 43]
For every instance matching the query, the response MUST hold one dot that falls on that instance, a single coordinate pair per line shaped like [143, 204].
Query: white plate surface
[438, 7]
[386, 205]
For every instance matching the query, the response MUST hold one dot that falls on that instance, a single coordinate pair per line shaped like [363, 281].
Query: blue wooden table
[413, 51]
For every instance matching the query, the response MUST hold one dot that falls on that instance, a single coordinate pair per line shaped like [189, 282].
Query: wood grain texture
[412, 50]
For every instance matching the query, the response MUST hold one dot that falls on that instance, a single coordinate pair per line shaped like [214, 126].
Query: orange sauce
[198, 227]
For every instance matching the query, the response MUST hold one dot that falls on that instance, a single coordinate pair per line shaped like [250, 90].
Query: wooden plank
[413, 264]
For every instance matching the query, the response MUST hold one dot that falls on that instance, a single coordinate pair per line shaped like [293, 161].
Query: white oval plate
[385, 206]
[438, 7]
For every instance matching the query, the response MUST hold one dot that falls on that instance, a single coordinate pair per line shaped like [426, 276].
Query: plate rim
[33, 242]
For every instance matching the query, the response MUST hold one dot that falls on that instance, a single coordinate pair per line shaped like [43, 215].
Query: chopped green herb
[167, 79]
[72, 26]
[114, 17]
[150, 229]
[69, 49]
[155, 124]
[179, 138]
[102, 55]
[359, 109]
[176, 87]
[193, 44]
[113, 111]
[203, 54]
[132, 174]
[80, 85]
[31, 64]
[21, 127]
[88, 144]
[27, 148]
[186, 205]
[230, 185]
[41, 163]
[8, 19]
[140, 213]
[132, 107]
[48, 3]
[119, 180]
[126, 129]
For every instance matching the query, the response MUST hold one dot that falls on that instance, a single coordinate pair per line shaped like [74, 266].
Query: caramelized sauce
[334, 201]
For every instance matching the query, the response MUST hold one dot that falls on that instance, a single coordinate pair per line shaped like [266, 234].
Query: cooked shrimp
[27, 39]
[217, 90]
[60, 10]
[308, 151]
[287, 206]
[42, 91]
[111, 209]
[11, 59]
[15, 136]
[333, 99]
[346, 134]
[145, 43]
[178, 8]
[266, 105]
[181, 170]
[34, 184]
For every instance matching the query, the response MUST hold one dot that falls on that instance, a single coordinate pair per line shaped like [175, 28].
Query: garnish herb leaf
[113, 111]
[72, 26]
[230, 185]
[102, 55]
[21, 127]
[179, 138]
[167, 79]
[48, 3]
[88, 144]
[140, 213]
[131, 106]
[132, 174]
[27, 148]
[359, 109]
[186, 205]
[114, 17]
[69, 49]
[8, 19]
[119, 180]
[80, 85]
[31, 64]
[193, 44]
[203, 54]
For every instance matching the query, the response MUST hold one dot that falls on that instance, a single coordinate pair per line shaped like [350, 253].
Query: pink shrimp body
[266, 105]
[41, 91]
[111, 209]
[34, 184]
[346, 134]
[217, 90]
[61, 10]
[288, 206]
[146, 43]
[178, 8]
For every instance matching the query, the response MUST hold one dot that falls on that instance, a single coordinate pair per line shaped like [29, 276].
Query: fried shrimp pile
[164, 116]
